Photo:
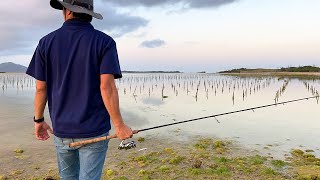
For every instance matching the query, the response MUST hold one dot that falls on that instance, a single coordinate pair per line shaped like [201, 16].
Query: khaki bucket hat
[77, 6]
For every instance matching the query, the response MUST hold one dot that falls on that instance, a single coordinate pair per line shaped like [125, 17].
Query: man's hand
[110, 98]
[42, 131]
[124, 132]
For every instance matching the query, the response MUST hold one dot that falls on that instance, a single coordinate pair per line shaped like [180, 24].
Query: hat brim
[57, 4]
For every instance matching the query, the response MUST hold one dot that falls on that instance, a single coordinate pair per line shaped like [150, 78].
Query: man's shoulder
[49, 36]
[103, 35]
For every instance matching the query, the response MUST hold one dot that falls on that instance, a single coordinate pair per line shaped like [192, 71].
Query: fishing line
[223, 114]
[132, 143]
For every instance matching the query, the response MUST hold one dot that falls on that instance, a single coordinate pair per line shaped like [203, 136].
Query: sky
[184, 35]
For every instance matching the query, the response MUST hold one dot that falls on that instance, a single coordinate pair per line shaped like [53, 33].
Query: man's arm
[110, 97]
[40, 101]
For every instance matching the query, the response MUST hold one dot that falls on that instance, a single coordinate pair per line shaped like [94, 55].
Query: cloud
[189, 4]
[208, 3]
[24, 23]
[119, 24]
[153, 43]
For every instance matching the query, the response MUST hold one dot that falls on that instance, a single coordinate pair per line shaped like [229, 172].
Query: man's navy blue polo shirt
[71, 60]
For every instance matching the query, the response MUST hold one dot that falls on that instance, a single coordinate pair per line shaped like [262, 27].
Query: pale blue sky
[186, 37]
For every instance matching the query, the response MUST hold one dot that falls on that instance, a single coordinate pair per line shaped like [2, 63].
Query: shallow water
[154, 99]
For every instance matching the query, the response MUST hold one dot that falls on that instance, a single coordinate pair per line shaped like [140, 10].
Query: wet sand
[38, 160]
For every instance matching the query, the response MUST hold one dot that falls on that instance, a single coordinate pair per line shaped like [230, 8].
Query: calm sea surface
[154, 99]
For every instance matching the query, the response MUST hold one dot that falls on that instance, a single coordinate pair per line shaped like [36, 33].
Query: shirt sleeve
[37, 67]
[110, 61]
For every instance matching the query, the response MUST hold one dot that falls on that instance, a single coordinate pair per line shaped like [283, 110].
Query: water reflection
[153, 101]
[133, 119]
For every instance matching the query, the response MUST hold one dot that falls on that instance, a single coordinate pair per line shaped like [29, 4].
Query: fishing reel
[128, 145]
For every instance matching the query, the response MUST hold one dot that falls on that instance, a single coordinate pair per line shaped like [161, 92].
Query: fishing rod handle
[90, 141]
[94, 140]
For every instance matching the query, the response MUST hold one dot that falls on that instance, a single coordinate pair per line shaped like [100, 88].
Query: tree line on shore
[288, 69]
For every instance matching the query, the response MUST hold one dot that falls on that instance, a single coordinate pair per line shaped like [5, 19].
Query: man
[75, 67]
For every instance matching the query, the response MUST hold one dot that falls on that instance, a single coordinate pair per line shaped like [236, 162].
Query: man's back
[75, 67]
[73, 58]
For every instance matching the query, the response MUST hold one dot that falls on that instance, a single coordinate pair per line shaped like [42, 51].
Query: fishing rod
[132, 144]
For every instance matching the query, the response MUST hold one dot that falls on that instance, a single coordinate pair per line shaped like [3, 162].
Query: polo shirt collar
[77, 23]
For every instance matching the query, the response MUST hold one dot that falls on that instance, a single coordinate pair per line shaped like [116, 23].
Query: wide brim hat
[77, 6]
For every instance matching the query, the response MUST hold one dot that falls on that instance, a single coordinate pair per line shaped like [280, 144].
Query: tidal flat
[282, 140]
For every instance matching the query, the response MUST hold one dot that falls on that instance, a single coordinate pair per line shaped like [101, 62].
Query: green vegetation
[219, 146]
[17, 172]
[122, 178]
[269, 172]
[3, 177]
[222, 171]
[256, 160]
[168, 150]
[297, 152]
[245, 70]
[19, 151]
[142, 172]
[110, 172]
[141, 139]
[202, 161]
[202, 145]
[176, 160]
[306, 165]
[164, 169]
[19, 154]
[21, 157]
[309, 150]
[278, 163]
[301, 69]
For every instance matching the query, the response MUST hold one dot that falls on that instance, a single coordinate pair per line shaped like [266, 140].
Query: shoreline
[275, 73]
[238, 74]
[290, 75]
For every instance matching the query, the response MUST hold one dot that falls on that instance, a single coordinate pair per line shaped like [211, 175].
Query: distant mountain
[10, 67]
